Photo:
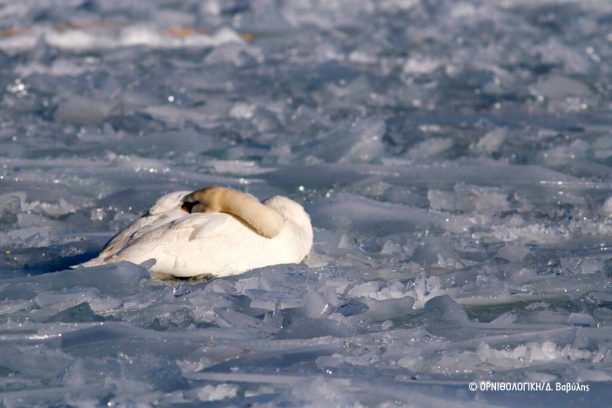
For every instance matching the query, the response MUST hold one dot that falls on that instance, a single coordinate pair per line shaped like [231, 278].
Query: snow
[454, 158]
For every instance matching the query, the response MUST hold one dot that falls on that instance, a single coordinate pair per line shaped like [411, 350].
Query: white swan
[214, 231]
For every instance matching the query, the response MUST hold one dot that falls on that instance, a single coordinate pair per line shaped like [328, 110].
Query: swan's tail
[97, 261]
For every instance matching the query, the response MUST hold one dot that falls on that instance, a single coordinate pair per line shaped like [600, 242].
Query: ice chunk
[492, 141]
[236, 54]
[347, 210]
[606, 208]
[217, 393]
[582, 265]
[601, 298]
[580, 319]
[485, 200]
[368, 146]
[586, 375]
[79, 313]
[504, 319]
[242, 111]
[441, 200]
[564, 154]
[82, 111]
[365, 289]
[121, 279]
[420, 65]
[390, 247]
[431, 148]
[522, 275]
[315, 305]
[389, 309]
[558, 86]
[425, 288]
[513, 252]
[554, 51]
[351, 308]
[27, 360]
[360, 141]
[530, 352]
[602, 147]
[307, 328]
[445, 309]
[320, 392]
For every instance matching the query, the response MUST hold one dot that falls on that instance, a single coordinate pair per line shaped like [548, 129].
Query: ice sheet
[454, 156]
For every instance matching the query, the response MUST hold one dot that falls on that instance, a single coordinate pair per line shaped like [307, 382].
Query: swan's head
[204, 200]
[264, 220]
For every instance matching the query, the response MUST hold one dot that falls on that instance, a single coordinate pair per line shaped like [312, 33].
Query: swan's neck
[265, 220]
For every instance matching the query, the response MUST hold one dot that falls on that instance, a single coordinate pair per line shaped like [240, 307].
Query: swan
[214, 231]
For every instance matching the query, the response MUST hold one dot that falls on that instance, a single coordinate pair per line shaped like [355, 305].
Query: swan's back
[296, 216]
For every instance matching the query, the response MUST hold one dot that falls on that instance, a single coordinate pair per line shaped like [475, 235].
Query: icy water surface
[454, 156]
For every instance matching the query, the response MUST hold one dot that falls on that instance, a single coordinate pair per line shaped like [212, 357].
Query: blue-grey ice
[454, 156]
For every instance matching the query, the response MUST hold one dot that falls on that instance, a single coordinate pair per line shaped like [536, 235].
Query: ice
[121, 279]
[217, 393]
[81, 111]
[314, 304]
[389, 309]
[454, 158]
[513, 253]
[444, 308]
[492, 141]
[420, 65]
[365, 289]
[602, 147]
[104, 35]
[606, 209]
[431, 148]
[560, 155]
[558, 86]
[584, 266]
[580, 319]
[530, 352]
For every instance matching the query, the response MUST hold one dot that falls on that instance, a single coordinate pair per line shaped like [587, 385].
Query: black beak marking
[188, 206]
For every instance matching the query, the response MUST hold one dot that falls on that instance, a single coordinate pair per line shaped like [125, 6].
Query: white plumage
[225, 240]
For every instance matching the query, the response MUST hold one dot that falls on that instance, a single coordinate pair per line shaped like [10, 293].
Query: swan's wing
[183, 244]
[168, 202]
[120, 240]
[171, 237]
[163, 211]
[198, 226]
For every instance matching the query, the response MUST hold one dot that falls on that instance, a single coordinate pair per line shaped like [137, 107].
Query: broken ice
[454, 157]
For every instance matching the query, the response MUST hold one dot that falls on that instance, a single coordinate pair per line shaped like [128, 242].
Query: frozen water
[454, 156]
